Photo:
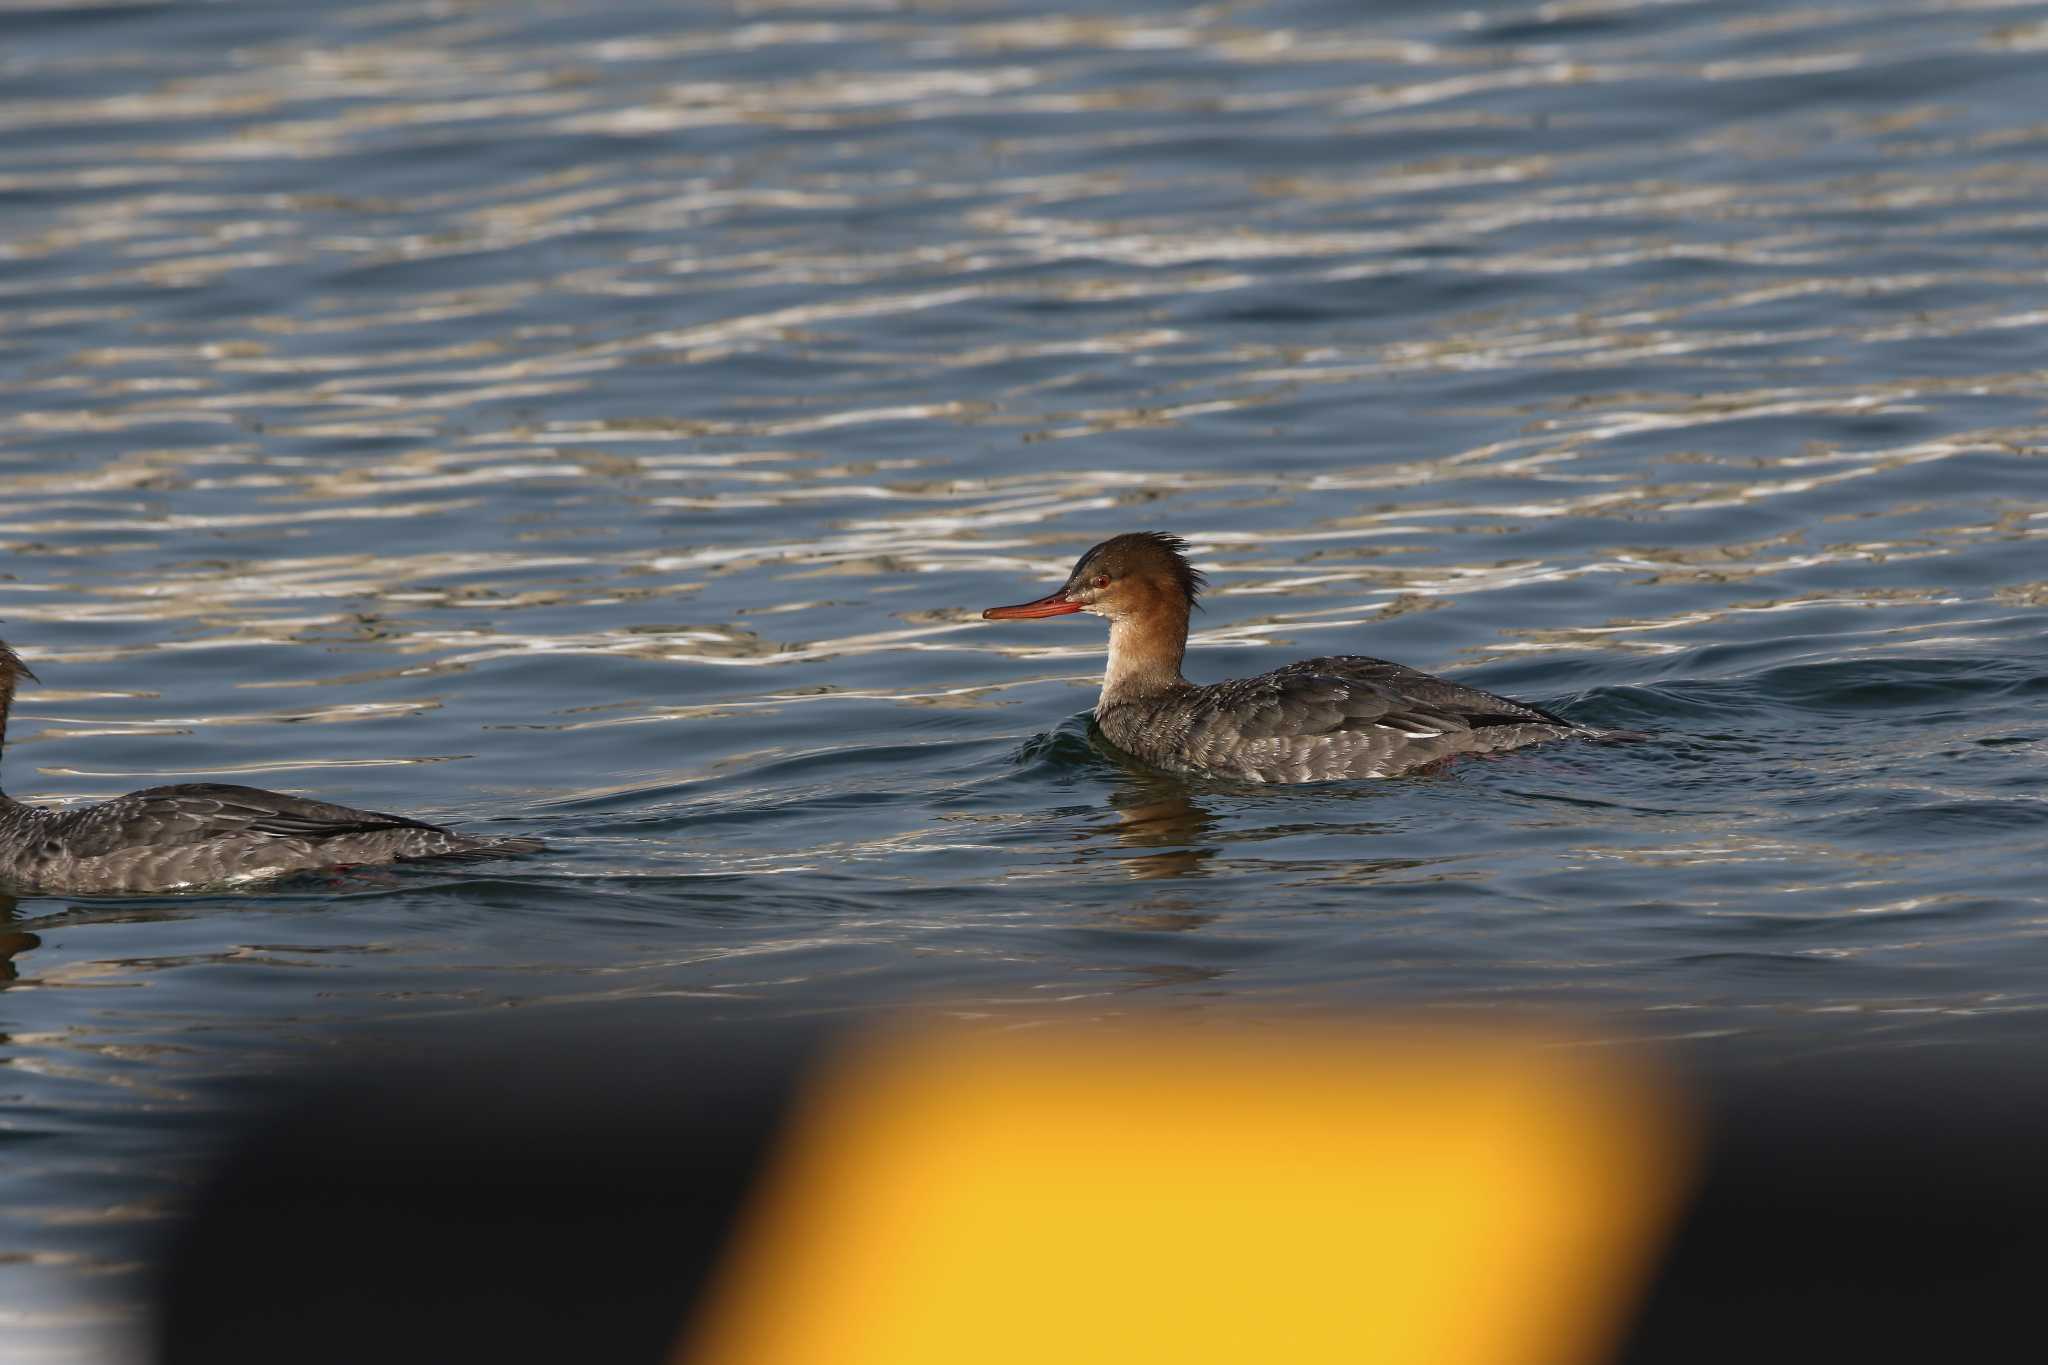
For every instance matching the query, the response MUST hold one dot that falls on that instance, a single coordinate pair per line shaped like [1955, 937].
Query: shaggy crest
[1136, 551]
[11, 666]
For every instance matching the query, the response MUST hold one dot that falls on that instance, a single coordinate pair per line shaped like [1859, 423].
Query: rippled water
[608, 425]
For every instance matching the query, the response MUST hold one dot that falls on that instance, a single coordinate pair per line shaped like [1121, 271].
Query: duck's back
[207, 834]
[1322, 719]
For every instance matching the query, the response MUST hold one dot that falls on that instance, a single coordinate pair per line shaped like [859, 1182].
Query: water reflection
[1167, 826]
[1296, 840]
[1156, 811]
[1159, 915]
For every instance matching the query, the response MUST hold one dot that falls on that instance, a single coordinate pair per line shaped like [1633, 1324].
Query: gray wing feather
[207, 833]
[1345, 716]
[1351, 692]
[195, 812]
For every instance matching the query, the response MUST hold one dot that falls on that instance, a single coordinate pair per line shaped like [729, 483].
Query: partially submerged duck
[1312, 721]
[200, 834]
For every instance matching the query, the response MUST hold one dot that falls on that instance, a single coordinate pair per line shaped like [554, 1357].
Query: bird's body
[1322, 719]
[1317, 720]
[202, 834]
[208, 834]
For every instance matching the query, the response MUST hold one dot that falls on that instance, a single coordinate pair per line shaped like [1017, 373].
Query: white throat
[1140, 662]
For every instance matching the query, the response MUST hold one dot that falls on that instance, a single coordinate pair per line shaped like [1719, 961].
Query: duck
[1316, 720]
[202, 834]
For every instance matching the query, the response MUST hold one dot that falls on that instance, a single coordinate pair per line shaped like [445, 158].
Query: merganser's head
[1140, 573]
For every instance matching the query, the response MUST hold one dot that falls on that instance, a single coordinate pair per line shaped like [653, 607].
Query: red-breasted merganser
[1312, 721]
[200, 834]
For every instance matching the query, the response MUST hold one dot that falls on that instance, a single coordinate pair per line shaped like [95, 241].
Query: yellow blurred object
[1060, 1195]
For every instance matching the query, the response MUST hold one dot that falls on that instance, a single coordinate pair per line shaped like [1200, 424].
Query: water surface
[607, 424]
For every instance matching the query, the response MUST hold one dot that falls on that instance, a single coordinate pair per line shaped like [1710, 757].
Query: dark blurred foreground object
[1876, 1208]
[548, 1189]
[709, 1196]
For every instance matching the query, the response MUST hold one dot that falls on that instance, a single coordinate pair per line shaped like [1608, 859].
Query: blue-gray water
[606, 422]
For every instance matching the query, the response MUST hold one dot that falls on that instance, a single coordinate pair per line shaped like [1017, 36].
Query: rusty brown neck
[12, 671]
[1146, 645]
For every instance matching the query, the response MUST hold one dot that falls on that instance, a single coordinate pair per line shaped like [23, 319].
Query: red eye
[1102, 580]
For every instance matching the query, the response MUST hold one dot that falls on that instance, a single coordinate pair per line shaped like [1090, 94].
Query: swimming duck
[200, 834]
[1313, 721]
